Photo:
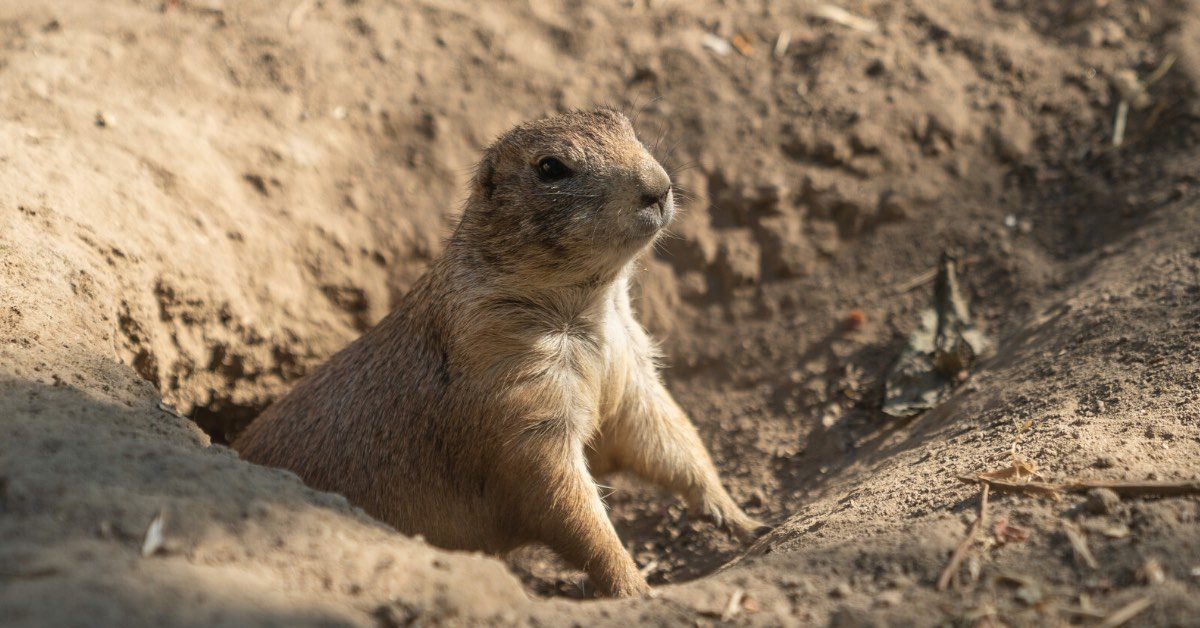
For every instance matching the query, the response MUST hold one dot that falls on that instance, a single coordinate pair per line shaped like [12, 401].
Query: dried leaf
[1006, 532]
[1018, 470]
[944, 345]
[742, 44]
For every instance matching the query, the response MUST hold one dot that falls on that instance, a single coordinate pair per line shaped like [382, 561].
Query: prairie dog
[477, 412]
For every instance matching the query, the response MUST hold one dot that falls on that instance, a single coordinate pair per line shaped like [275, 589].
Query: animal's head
[574, 196]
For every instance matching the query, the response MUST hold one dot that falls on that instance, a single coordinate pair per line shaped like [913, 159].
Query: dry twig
[781, 44]
[926, 277]
[1126, 613]
[1052, 489]
[960, 552]
[1042, 489]
[1079, 544]
[838, 15]
[734, 606]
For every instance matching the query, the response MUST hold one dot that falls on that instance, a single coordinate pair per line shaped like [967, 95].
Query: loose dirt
[202, 199]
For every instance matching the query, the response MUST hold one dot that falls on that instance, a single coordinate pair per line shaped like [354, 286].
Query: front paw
[733, 520]
[755, 531]
[634, 586]
[747, 530]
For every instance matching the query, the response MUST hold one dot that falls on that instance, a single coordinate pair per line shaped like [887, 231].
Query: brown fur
[476, 412]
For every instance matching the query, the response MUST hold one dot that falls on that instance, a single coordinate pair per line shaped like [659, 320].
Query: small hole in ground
[224, 421]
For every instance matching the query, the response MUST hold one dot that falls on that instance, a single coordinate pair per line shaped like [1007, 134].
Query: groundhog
[477, 412]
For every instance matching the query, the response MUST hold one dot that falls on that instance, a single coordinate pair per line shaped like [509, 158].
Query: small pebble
[889, 598]
[1102, 501]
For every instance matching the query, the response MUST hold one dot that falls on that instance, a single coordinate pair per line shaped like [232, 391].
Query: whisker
[671, 150]
[639, 110]
[685, 166]
[569, 194]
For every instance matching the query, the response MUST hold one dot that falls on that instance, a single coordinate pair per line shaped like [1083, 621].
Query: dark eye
[551, 169]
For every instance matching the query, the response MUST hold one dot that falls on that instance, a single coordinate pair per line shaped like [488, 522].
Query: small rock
[1013, 135]
[889, 598]
[1029, 594]
[1106, 33]
[840, 590]
[738, 258]
[1102, 501]
[1152, 572]
[786, 250]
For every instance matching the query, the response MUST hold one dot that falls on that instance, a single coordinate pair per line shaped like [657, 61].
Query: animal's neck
[495, 303]
[576, 306]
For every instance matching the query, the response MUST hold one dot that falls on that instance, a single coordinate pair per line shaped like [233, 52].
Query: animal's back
[374, 423]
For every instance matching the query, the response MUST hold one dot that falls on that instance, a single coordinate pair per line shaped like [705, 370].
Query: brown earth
[199, 200]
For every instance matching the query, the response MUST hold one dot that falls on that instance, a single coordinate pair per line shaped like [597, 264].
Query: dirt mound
[200, 200]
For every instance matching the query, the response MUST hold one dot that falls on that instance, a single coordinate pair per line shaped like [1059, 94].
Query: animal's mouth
[653, 218]
[657, 215]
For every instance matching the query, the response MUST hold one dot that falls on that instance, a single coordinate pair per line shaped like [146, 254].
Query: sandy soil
[199, 200]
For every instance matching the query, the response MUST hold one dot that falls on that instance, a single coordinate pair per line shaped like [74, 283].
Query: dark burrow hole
[224, 421]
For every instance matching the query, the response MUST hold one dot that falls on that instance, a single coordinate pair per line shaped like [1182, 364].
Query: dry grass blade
[1126, 613]
[925, 277]
[916, 282]
[734, 606]
[162, 405]
[1161, 71]
[1119, 122]
[1079, 544]
[1187, 487]
[1081, 612]
[781, 44]
[153, 541]
[841, 16]
[960, 552]
[1041, 489]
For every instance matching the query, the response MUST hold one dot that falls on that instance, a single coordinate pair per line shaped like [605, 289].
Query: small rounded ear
[485, 176]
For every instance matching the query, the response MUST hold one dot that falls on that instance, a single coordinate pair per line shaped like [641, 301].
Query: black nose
[650, 199]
